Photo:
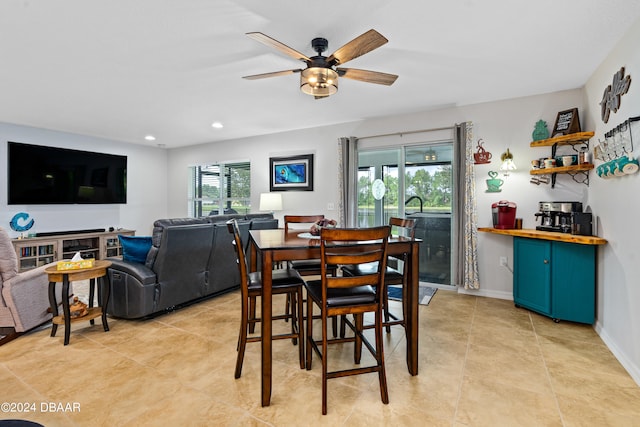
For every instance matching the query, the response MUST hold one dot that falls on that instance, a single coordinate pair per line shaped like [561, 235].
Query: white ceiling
[122, 69]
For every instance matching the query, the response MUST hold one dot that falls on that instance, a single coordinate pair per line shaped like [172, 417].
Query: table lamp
[270, 202]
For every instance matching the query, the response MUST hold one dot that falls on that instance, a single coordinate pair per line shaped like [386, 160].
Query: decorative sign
[17, 218]
[482, 156]
[567, 122]
[494, 183]
[613, 92]
[540, 131]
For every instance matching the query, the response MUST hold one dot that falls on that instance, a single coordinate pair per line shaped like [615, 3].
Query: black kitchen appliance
[582, 223]
[557, 216]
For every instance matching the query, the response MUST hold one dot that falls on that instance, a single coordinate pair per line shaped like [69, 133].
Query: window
[220, 189]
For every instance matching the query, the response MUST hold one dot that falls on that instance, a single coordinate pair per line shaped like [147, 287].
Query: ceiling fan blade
[274, 74]
[367, 76]
[357, 47]
[271, 42]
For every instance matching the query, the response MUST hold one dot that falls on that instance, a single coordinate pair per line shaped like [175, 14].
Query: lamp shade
[270, 202]
[319, 81]
[507, 162]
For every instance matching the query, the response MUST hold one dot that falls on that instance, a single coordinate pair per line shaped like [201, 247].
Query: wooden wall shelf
[579, 173]
[563, 169]
[571, 139]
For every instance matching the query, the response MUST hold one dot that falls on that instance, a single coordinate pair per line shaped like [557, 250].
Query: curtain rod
[405, 133]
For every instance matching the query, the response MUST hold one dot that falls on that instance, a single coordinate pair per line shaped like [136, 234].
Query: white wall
[146, 185]
[617, 203]
[322, 142]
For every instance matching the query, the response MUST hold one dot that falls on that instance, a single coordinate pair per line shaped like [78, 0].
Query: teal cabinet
[554, 278]
[532, 274]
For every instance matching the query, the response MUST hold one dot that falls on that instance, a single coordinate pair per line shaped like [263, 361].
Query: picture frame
[294, 173]
[567, 122]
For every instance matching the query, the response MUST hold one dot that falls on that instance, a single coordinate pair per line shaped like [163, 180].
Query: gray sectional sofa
[189, 259]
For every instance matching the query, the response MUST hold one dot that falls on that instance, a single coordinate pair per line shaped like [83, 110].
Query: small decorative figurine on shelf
[482, 156]
[540, 131]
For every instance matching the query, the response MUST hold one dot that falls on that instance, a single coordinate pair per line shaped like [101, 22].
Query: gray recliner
[190, 259]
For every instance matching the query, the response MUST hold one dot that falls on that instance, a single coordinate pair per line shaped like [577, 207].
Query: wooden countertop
[547, 235]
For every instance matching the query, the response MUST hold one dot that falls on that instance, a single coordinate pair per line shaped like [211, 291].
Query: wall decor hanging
[494, 183]
[613, 93]
[17, 219]
[540, 131]
[567, 122]
[481, 156]
[291, 173]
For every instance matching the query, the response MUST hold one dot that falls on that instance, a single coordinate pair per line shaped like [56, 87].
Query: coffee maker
[503, 214]
[560, 217]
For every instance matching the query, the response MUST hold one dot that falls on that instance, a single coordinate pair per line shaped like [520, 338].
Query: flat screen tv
[41, 175]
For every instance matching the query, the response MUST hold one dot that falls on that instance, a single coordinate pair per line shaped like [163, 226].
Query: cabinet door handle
[546, 261]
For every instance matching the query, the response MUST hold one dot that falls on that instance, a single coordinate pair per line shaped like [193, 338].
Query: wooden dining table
[275, 246]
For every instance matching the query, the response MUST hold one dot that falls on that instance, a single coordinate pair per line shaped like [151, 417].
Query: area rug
[425, 293]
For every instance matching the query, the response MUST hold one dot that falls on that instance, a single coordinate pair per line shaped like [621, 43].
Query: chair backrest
[407, 226]
[354, 246]
[232, 226]
[181, 264]
[300, 219]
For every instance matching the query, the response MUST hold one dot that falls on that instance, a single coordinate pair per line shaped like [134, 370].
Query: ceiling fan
[320, 78]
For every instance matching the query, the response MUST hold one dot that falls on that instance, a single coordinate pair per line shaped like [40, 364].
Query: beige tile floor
[482, 363]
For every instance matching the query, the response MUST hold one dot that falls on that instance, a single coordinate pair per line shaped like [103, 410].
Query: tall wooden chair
[406, 227]
[285, 281]
[356, 295]
[307, 267]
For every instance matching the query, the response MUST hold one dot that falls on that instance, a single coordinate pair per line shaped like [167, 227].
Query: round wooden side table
[98, 271]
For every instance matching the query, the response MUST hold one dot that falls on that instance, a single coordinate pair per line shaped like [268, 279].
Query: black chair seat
[391, 275]
[305, 264]
[308, 267]
[342, 296]
[279, 279]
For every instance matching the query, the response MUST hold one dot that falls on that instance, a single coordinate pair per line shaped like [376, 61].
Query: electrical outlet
[503, 261]
[330, 206]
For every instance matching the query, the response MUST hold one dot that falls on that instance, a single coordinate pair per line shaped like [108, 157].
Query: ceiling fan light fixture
[319, 81]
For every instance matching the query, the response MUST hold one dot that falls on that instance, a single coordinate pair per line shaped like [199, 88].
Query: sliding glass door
[415, 181]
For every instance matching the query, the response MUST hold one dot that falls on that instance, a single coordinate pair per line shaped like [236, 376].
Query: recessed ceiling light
[150, 138]
[217, 125]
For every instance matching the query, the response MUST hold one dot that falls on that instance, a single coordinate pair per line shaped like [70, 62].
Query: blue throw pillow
[135, 248]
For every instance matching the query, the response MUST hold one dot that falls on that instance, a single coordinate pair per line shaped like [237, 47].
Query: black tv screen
[41, 175]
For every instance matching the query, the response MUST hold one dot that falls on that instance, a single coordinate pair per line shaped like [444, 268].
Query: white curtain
[466, 272]
[347, 181]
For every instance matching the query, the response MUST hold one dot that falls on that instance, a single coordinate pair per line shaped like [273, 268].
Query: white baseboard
[627, 364]
[485, 293]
